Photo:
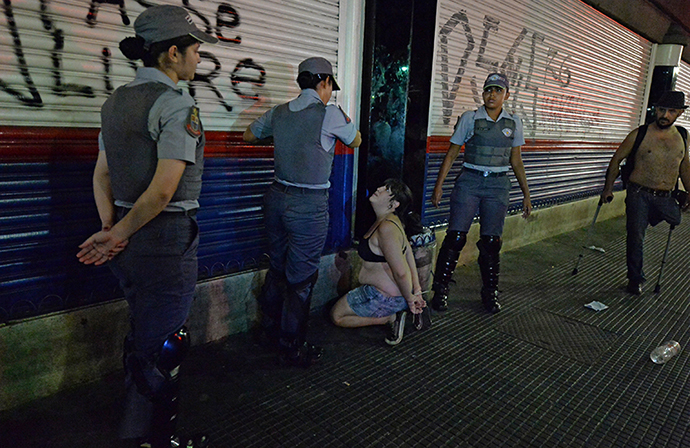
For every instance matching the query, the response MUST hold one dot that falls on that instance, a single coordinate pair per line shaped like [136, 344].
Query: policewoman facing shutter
[147, 182]
[304, 132]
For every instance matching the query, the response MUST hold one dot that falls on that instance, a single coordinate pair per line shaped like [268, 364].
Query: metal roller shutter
[683, 84]
[58, 63]
[577, 82]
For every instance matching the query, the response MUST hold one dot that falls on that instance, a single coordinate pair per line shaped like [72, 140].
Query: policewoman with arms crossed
[146, 184]
[304, 132]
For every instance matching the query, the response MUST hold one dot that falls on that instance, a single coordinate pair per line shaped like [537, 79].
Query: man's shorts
[367, 301]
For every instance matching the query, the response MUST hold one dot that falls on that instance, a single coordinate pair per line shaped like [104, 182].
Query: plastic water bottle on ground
[665, 351]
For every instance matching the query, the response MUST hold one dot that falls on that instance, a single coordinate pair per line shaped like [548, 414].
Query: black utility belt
[486, 173]
[122, 211]
[652, 191]
[290, 189]
[191, 212]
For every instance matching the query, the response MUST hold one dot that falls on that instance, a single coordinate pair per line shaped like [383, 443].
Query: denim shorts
[367, 301]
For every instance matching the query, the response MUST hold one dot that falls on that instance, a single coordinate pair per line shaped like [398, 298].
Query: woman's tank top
[365, 252]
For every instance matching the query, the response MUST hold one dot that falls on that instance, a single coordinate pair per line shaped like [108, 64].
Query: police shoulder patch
[193, 124]
[347, 119]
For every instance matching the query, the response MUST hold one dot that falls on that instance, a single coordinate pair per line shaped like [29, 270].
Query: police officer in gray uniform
[492, 139]
[304, 132]
[147, 182]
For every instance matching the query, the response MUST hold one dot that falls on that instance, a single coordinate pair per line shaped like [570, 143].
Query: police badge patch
[347, 119]
[193, 124]
[507, 132]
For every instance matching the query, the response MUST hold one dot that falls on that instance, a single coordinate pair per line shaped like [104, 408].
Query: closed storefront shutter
[683, 85]
[577, 82]
[59, 61]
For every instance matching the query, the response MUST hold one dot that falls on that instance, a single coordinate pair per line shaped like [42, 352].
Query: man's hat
[672, 99]
[318, 66]
[497, 80]
[165, 22]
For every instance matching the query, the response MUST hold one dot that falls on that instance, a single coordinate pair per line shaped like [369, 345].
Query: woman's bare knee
[339, 311]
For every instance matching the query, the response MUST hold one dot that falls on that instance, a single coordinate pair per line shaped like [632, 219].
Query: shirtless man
[660, 159]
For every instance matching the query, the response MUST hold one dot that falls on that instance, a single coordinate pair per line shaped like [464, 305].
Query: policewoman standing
[492, 138]
[304, 131]
[146, 184]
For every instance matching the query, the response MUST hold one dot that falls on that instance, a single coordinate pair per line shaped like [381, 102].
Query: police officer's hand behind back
[101, 247]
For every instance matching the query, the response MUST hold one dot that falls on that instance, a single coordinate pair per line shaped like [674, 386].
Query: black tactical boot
[445, 265]
[297, 353]
[489, 261]
[294, 349]
[271, 301]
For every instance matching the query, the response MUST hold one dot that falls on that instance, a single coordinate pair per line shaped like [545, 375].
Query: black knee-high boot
[271, 302]
[445, 265]
[294, 348]
[489, 263]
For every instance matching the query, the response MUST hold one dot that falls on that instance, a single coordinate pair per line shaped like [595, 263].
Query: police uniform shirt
[464, 130]
[336, 125]
[167, 126]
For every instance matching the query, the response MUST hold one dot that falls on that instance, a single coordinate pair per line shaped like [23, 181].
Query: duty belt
[486, 173]
[289, 189]
[122, 211]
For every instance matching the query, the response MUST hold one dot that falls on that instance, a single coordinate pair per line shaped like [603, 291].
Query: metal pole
[657, 288]
[589, 234]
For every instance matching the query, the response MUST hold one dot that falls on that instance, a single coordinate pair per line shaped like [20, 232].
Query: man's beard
[663, 126]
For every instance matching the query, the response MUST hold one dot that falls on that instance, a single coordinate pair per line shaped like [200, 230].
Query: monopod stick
[657, 288]
[589, 234]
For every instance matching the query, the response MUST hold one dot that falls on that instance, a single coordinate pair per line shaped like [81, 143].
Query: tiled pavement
[545, 372]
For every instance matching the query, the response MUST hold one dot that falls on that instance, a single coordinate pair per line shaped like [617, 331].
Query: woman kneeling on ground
[390, 284]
